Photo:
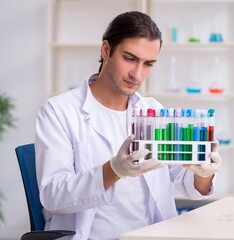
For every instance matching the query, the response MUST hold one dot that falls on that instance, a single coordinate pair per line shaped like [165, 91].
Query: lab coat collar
[89, 102]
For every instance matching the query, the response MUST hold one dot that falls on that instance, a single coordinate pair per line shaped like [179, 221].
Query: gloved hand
[123, 164]
[206, 170]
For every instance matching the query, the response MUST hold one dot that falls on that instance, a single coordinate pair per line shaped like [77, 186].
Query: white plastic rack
[176, 152]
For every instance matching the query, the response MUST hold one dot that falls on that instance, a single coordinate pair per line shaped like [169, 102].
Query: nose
[136, 72]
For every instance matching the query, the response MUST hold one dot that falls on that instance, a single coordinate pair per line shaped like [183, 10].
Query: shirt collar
[89, 101]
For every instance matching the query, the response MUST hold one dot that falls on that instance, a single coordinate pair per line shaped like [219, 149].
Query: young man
[87, 179]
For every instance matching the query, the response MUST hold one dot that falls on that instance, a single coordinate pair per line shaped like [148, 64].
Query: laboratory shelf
[75, 45]
[198, 46]
[165, 46]
[192, 1]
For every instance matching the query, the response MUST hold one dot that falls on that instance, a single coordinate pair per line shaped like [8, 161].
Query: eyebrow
[134, 56]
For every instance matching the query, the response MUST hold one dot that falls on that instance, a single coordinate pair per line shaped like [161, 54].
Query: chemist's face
[130, 64]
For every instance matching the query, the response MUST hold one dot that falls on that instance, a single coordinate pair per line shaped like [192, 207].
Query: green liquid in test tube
[178, 132]
[189, 132]
[164, 115]
[171, 132]
[157, 131]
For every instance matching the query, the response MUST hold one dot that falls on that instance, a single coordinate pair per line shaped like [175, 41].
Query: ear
[105, 49]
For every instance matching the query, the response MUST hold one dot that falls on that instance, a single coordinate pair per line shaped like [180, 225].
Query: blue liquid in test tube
[203, 132]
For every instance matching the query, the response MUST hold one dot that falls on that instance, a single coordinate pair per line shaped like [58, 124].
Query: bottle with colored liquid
[216, 87]
[193, 85]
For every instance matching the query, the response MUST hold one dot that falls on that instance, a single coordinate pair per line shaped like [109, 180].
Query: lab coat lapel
[93, 118]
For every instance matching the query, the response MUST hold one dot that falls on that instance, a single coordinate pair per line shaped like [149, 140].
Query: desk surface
[213, 221]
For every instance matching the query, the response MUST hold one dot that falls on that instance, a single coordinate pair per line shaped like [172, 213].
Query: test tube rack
[176, 152]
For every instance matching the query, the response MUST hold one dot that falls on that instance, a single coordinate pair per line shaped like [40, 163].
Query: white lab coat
[71, 146]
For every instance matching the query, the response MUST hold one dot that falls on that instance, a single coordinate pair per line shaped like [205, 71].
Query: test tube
[178, 132]
[134, 128]
[149, 130]
[189, 133]
[164, 115]
[157, 131]
[203, 124]
[157, 135]
[196, 125]
[144, 124]
[211, 119]
[171, 132]
[203, 132]
[184, 132]
[150, 124]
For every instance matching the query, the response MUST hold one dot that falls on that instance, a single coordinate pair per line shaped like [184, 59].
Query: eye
[149, 64]
[129, 58]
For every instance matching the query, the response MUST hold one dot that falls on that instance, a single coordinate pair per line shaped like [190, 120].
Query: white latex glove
[205, 169]
[123, 164]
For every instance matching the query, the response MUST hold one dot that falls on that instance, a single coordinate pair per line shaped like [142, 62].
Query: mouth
[132, 84]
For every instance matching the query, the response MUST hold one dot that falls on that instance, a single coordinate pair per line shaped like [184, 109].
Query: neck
[108, 98]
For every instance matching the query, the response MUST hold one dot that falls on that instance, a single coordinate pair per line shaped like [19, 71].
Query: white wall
[22, 77]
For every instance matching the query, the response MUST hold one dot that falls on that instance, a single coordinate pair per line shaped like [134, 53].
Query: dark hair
[129, 25]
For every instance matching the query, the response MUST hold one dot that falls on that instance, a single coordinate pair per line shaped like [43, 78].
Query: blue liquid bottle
[193, 86]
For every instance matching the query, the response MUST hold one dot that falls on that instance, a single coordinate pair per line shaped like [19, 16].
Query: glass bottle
[173, 85]
[193, 85]
[216, 86]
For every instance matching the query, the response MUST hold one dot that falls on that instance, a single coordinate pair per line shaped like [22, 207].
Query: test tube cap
[150, 112]
[211, 112]
[178, 112]
[189, 113]
[183, 112]
[171, 112]
[164, 112]
[203, 113]
[197, 112]
[157, 112]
